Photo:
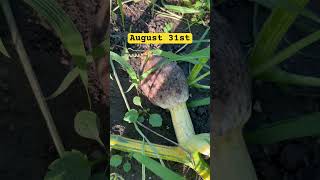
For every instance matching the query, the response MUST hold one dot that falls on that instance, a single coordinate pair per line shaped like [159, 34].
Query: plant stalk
[170, 153]
[184, 130]
[231, 159]
[276, 74]
[182, 123]
[200, 166]
[17, 41]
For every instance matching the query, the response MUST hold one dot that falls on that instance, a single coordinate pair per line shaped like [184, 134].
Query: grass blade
[66, 30]
[121, 11]
[100, 50]
[203, 53]
[286, 53]
[125, 65]
[199, 102]
[196, 70]
[307, 125]
[198, 42]
[278, 75]
[3, 49]
[156, 167]
[181, 9]
[71, 76]
[272, 33]
[201, 86]
[199, 78]
[287, 5]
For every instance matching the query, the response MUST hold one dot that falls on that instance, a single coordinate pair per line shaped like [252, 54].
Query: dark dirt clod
[293, 156]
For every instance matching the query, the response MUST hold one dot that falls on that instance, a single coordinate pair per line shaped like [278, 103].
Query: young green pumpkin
[231, 106]
[167, 88]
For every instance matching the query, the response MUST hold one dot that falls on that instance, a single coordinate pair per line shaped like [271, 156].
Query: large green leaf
[156, 167]
[307, 125]
[86, 124]
[71, 166]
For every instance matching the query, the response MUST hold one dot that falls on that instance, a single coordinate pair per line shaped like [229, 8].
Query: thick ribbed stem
[181, 122]
[231, 160]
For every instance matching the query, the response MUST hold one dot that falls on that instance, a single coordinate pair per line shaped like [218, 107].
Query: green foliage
[86, 124]
[190, 58]
[101, 50]
[198, 42]
[131, 116]
[155, 120]
[66, 30]
[196, 8]
[181, 9]
[286, 53]
[71, 76]
[137, 101]
[289, 6]
[121, 12]
[168, 27]
[199, 102]
[3, 49]
[125, 65]
[307, 125]
[115, 176]
[71, 166]
[126, 167]
[156, 167]
[141, 119]
[198, 143]
[196, 70]
[273, 31]
[115, 160]
[280, 76]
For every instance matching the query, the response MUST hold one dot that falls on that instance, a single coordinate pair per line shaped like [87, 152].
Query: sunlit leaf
[155, 120]
[131, 116]
[115, 160]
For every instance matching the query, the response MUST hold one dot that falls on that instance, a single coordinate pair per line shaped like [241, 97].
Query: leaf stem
[170, 153]
[231, 159]
[17, 41]
[182, 123]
